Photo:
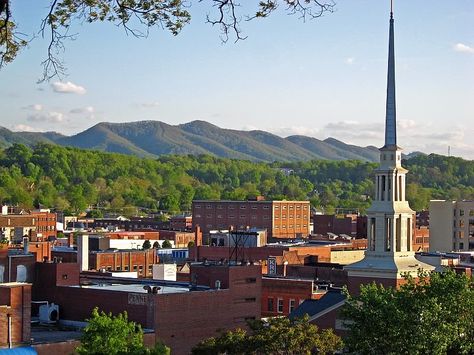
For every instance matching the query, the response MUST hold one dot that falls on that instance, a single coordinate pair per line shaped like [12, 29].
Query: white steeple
[390, 220]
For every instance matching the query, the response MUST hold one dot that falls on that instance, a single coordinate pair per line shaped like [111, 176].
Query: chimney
[83, 252]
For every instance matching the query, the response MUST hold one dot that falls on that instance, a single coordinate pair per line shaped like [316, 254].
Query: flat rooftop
[136, 288]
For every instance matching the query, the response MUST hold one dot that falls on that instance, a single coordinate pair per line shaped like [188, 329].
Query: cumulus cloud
[25, 128]
[83, 110]
[68, 88]
[463, 48]
[52, 117]
[34, 107]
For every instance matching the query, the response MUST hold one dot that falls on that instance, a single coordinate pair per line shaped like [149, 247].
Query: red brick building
[45, 224]
[180, 315]
[281, 219]
[281, 295]
[140, 261]
[15, 310]
[350, 224]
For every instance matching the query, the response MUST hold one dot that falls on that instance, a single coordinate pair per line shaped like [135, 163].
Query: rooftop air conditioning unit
[49, 313]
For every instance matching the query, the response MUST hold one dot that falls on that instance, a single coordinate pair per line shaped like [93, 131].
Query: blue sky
[323, 77]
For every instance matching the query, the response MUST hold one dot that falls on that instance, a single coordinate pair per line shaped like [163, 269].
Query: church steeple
[389, 252]
[391, 112]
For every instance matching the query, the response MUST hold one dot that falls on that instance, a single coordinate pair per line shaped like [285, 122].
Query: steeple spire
[391, 115]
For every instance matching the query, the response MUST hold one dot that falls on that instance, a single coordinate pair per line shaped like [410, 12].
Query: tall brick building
[281, 219]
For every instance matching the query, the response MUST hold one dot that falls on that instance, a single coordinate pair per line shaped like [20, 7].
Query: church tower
[389, 219]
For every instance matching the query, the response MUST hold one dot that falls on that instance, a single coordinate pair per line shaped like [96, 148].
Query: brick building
[140, 261]
[281, 295]
[181, 223]
[281, 219]
[180, 315]
[45, 224]
[15, 309]
[350, 224]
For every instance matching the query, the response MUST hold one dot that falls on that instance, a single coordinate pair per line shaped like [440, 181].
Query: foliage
[276, 336]
[73, 179]
[166, 244]
[191, 244]
[146, 244]
[431, 315]
[156, 245]
[108, 334]
[136, 18]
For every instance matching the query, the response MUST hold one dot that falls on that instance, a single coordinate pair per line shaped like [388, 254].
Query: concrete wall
[441, 225]
[345, 257]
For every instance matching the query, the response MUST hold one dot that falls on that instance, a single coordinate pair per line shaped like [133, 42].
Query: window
[242, 216]
[219, 207]
[242, 207]
[454, 212]
[135, 267]
[254, 207]
[197, 206]
[251, 280]
[266, 207]
[292, 305]
[231, 216]
[461, 223]
[461, 246]
[461, 212]
[471, 213]
[118, 268]
[454, 223]
[277, 207]
[254, 217]
[284, 207]
[208, 207]
[231, 207]
[219, 216]
[209, 216]
[126, 268]
[266, 217]
[280, 305]
[270, 305]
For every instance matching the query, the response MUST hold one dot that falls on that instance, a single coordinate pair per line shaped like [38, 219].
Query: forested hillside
[72, 179]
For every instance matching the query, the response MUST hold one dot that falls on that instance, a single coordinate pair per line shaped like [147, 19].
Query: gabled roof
[315, 308]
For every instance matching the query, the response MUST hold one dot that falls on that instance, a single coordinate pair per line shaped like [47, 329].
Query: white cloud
[25, 128]
[52, 116]
[149, 104]
[68, 88]
[82, 110]
[295, 131]
[349, 60]
[34, 107]
[461, 47]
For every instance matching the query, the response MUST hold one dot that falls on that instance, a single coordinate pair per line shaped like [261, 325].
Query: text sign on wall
[137, 299]
[272, 266]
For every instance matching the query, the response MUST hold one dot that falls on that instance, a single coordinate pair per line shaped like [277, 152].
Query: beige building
[451, 225]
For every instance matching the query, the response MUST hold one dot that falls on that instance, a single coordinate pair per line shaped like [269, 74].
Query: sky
[323, 78]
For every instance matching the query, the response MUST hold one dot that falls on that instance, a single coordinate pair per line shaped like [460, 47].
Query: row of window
[138, 268]
[291, 216]
[280, 304]
[461, 212]
[291, 226]
[298, 207]
[45, 228]
[231, 207]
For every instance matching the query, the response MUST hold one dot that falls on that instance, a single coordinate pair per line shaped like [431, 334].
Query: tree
[166, 244]
[191, 244]
[431, 315]
[136, 18]
[108, 334]
[146, 244]
[276, 336]
[156, 245]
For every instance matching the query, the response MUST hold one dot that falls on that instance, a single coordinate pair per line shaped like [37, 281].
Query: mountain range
[155, 138]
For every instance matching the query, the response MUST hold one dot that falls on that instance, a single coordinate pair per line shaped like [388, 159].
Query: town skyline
[255, 84]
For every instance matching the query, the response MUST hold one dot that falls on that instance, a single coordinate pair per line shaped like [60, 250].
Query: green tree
[431, 315]
[146, 244]
[156, 245]
[108, 334]
[275, 336]
[166, 244]
[191, 244]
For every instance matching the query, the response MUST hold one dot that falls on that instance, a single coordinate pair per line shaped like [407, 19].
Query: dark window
[270, 305]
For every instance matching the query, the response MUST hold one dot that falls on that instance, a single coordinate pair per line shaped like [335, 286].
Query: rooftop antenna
[391, 9]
